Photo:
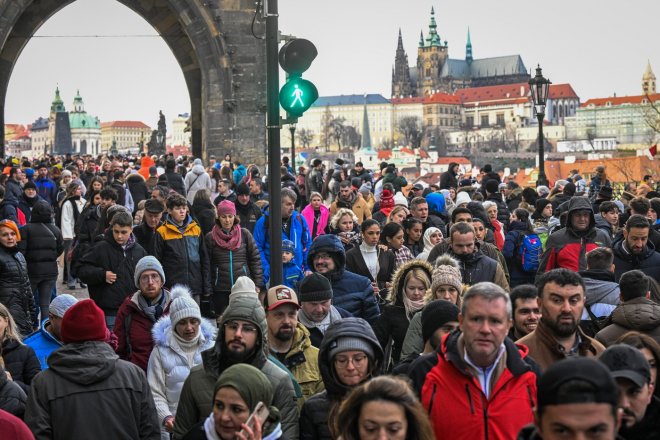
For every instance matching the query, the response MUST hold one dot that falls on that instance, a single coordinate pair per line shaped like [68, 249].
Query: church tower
[648, 81]
[431, 57]
[78, 106]
[401, 86]
[468, 49]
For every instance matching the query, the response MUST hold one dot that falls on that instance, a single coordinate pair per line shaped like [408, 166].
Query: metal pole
[542, 180]
[292, 129]
[274, 155]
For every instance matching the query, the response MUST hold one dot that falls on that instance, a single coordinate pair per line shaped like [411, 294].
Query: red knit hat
[84, 321]
[386, 199]
[226, 207]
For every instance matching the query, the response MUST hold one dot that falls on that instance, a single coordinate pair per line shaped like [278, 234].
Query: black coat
[386, 265]
[245, 261]
[21, 362]
[15, 290]
[107, 255]
[648, 261]
[8, 210]
[175, 182]
[121, 192]
[41, 243]
[448, 179]
[502, 209]
[12, 396]
[138, 188]
[145, 237]
[248, 215]
[26, 204]
[204, 214]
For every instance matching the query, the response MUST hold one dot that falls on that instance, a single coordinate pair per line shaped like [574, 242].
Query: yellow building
[128, 135]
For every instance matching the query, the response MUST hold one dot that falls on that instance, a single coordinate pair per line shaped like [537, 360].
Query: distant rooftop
[124, 124]
[350, 100]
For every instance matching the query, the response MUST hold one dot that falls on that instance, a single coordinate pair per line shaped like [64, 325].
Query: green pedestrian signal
[297, 95]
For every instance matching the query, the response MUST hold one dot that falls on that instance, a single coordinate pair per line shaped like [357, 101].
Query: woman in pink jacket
[316, 214]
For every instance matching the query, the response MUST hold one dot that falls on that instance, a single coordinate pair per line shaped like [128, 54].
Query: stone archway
[222, 63]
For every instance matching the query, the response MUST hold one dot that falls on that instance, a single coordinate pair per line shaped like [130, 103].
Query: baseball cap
[279, 295]
[605, 389]
[627, 362]
[418, 187]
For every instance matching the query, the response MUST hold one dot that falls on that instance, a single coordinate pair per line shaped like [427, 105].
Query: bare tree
[651, 114]
[409, 127]
[305, 137]
[351, 137]
[625, 167]
[337, 129]
[326, 130]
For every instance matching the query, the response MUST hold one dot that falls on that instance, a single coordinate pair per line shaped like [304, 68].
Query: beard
[561, 329]
[284, 334]
[238, 356]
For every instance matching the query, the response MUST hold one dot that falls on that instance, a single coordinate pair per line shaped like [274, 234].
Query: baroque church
[436, 72]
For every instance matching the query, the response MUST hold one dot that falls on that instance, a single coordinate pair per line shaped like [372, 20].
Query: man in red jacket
[483, 386]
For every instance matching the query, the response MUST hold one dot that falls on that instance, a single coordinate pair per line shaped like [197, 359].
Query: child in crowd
[291, 272]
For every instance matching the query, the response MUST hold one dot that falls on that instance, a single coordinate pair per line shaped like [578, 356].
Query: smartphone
[260, 412]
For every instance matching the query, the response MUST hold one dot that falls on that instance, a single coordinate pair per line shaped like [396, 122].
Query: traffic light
[297, 94]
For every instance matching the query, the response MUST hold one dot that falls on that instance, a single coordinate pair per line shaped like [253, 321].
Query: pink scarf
[228, 242]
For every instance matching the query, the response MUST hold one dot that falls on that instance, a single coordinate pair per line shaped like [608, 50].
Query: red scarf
[229, 242]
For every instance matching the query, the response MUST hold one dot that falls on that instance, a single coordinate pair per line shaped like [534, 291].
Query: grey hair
[290, 194]
[488, 204]
[489, 292]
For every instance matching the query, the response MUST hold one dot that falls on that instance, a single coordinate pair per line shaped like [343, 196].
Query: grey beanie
[61, 303]
[351, 343]
[147, 263]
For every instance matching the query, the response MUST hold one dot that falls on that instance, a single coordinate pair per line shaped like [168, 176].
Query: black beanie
[436, 314]
[243, 189]
[314, 287]
[492, 186]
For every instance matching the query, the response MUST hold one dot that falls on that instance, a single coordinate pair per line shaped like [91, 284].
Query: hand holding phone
[255, 422]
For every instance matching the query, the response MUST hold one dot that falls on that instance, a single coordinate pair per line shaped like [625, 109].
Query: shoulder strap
[193, 182]
[127, 333]
[49, 231]
[592, 317]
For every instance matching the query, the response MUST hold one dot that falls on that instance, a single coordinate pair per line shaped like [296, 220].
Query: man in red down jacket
[483, 386]
[568, 247]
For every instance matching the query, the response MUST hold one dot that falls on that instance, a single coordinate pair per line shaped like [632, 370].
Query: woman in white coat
[180, 338]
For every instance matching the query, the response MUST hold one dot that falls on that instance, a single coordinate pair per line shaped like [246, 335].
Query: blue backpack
[530, 250]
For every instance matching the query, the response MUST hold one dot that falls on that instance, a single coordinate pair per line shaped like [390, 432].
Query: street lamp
[292, 129]
[160, 139]
[539, 87]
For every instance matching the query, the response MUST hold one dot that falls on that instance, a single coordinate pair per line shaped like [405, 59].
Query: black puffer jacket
[41, 243]
[15, 290]
[12, 396]
[138, 188]
[315, 414]
[107, 255]
[8, 210]
[21, 362]
[88, 222]
[175, 181]
[245, 261]
[204, 214]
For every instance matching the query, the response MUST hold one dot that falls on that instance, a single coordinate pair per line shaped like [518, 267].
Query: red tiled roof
[493, 93]
[442, 98]
[619, 100]
[124, 124]
[422, 153]
[456, 159]
[497, 102]
[384, 154]
[558, 91]
[408, 100]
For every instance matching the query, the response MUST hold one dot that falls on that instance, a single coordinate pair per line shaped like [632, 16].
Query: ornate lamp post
[160, 139]
[539, 87]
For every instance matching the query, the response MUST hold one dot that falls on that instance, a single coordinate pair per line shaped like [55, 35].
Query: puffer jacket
[43, 343]
[195, 180]
[12, 396]
[302, 360]
[635, 315]
[351, 292]
[41, 243]
[244, 261]
[138, 188]
[25, 204]
[183, 255]
[511, 251]
[15, 290]
[601, 294]
[457, 404]
[394, 321]
[20, 361]
[248, 214]
[477, 267]
[89, 393]
[567, 248]
[170, 364]
[8, 210]
[204, 215]
[648, 261]
[107, 255]
[357, 204]
[175, 181]
[196, 401]
[314, 417]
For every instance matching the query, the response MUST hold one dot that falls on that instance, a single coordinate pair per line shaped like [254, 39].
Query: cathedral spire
[468, 48]
[648, 80]
[433, 39]
[399, 45]
[366, 136]
[421, 38]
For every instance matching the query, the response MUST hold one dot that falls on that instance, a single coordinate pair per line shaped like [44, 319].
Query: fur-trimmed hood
[162, 333]
[395, 294]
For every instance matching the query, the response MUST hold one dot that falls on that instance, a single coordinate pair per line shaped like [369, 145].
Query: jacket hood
[134, 178]
[331, 244]
[41, 212]
[162, 330]
[198, 169]
[353, 327]
[395, 294]
[436, 202]
[85, 363]
[638, 314]
[580, 204]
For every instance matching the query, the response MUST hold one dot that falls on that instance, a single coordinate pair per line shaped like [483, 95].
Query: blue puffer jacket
[352, 292]
[298, 234]
[43, 343]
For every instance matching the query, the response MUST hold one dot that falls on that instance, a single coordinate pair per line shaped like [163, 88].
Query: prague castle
[436, 72]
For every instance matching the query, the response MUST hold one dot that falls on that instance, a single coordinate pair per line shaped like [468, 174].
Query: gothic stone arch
[223, 64]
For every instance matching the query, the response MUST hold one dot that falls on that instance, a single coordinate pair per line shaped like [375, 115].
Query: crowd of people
[470, 308]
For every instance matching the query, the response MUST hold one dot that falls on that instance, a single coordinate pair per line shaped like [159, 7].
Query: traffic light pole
[273, 133]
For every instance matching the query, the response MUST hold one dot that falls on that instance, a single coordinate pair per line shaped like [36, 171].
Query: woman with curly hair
[344, 224]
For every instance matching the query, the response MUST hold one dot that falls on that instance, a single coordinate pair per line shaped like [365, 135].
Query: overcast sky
[600, 46]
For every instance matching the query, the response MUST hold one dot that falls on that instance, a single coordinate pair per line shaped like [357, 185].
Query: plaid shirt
[402, 256]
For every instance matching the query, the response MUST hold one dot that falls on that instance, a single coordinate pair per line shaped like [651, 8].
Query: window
[484, 120]
[500, 119]
[469, 121]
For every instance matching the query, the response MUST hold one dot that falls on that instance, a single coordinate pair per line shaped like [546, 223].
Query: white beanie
[183, 305]
[462, 197]
[400, 199]
[243, 286]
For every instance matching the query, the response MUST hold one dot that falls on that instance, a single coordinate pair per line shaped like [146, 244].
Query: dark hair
[368, 223]
[122, 219]
[461, 228]
[389, 231]
[176, 200]
[577, 390]
[607, 206]
[646, 177]
[523, 291]
[13, 171]
[345, 184]
[561, 277]
[600, 258]
[170, 164]
[633, 284]
[417, 201]
[523, 216]
[109, 194]
[639, 341]
[457, 211]
[530, 195]
[640, 205]
[637, 221]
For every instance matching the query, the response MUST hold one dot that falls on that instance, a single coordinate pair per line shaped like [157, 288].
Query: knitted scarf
[223, 240]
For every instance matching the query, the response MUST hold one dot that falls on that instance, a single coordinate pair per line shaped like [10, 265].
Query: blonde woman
[344, 224]
[398, 215]
[19, 361]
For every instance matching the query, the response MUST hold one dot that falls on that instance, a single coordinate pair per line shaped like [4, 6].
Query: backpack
[530, 249]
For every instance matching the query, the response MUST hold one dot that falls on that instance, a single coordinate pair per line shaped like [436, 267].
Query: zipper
[467, 391]
[531, 399]
[485, 406]
[432, 399]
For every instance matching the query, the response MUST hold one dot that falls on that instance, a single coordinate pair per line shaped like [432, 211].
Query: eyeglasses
[235, 326]
[357, 360]
[146, 278]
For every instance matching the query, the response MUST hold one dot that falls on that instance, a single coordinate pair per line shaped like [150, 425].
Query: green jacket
[303, 362]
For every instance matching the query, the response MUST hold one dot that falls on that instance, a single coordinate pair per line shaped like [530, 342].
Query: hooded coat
[567, 247]
[196, 401]
[648, 261]
[20, 361]
[351, 292]
[601, 294]
[15, 289]
[195, 180]
[448, 179]
[511, 251]
[43, 343]
[88, 392]
[138, 187]
[12, 396]
[41, 243]
[318, 409]
[635, 315]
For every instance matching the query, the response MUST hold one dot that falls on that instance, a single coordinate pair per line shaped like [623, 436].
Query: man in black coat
[174, 179]
[248, 212]
[634, 250]
[151, 220]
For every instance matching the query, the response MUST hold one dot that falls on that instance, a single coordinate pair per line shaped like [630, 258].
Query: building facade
[85, 129]
[179, 136]
[127, 135]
